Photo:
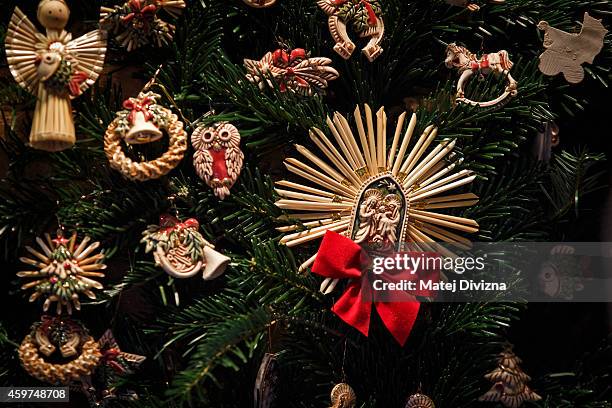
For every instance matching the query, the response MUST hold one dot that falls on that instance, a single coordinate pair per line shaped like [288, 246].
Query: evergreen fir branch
[227, 344]
[573, 176]
[509, 208]
[249, 213]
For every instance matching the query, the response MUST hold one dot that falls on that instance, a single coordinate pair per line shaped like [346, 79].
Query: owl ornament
[54, 67]
[136, 23]
[180, 250]
[218, 158]
[365, 16]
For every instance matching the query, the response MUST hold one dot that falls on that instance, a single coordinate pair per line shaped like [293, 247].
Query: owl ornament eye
[218, 158]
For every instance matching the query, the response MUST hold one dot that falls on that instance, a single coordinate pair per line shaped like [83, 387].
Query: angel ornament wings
[292, 70]
[218, 158]
[55, 68]
[365, 16]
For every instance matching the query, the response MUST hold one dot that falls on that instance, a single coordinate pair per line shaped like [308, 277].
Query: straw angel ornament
[55, 68]
[364, 196]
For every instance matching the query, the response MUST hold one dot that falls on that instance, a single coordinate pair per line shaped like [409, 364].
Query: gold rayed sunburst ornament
[372, 194]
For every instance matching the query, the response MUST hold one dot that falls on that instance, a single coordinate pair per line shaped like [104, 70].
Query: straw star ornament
[372, 194]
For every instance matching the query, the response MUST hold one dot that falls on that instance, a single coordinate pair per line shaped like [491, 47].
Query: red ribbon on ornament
[170, 223]
[75, 82]
[340, 258]
[481, 64]
[138, 9]
[138, 105]
[366, 4]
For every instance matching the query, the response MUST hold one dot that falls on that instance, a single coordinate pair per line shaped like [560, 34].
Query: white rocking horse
[467, 64]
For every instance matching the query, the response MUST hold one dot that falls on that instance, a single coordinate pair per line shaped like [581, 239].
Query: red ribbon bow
[138, 105]
[140, 11]
[339, 257]
[170, 223]
[75, 82]
[480, 64]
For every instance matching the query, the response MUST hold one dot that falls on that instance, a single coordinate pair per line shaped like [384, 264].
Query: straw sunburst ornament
[373, 195]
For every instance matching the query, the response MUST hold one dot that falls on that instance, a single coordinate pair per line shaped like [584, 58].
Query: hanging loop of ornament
[142, 121]
[467, 64]
[64, 336]
[365, 17]
[65, 270]
[218, 158]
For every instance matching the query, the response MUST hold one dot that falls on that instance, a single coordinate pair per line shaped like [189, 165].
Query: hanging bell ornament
[420, 401]
[218, 158]
[144, 121]
[343, 396]
[180, 249]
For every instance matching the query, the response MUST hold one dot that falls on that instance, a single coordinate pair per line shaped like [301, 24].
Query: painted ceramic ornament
[65, 270]
[55, 68]
[291, 70]
[218, 158]
[180, 249]
[136, 23]
[566, 52]
[260, 3]
[144, 121]
[59, 351]
[419, 401]
[365, 16]
[101, 386]
[343, 396]
[468, 64]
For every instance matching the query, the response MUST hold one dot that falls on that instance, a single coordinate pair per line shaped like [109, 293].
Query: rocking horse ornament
[365, 16]
[469, 64]
[55, 68]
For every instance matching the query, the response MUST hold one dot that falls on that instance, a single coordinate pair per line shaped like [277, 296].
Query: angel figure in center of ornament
[55, 68]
